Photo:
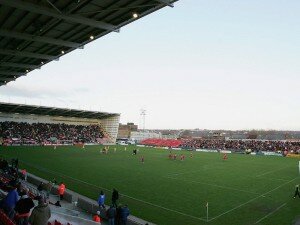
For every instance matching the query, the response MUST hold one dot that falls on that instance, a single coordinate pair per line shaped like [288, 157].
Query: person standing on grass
[114, 197]
[225, 157]
[101, 200]
[297, 191]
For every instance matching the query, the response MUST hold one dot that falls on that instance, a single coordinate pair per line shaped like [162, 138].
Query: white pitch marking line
[269, 214]
[251, 200]
[214, 185]
[176, 174]
[204, 168]
[272, 171]
[273, 179]
[148, 203]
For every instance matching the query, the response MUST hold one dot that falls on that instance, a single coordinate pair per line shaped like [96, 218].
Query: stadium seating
[4, 220]
[58, 223]
[237, 145]
[162, 142]
[45, 133]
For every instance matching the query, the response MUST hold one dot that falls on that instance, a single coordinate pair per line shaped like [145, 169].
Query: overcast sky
[203, 64]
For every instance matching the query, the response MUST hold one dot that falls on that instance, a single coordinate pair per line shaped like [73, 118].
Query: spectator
[40, 187]
[49, 187]
[124, 214]
[54, 181]
[242, 145]
[101, 200]
[111, 214]
[118, 215]
[41, 213]
[23, 207]
[10, 202]
[61, 190]
[24, 174]
[96, 218]
[114, 197]
[41, 133]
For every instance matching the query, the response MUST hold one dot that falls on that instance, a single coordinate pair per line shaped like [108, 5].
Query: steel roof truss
[29, 37]
[48, 12]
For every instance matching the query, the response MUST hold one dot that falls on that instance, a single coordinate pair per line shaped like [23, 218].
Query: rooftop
[35, 32]
[52, 111]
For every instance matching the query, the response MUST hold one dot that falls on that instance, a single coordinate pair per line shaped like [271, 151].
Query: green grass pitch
[243, 190]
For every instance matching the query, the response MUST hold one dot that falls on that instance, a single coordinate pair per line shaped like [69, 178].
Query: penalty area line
[269, 214]
[251, 200]
[272, 171]
[214, 185]
[98, 187]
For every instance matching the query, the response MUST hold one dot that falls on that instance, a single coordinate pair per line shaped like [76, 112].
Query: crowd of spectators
[18, 203]
[238, 145]
[43, 133]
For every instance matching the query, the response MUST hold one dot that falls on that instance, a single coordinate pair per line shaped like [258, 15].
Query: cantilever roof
[52, 111]
[35, 32]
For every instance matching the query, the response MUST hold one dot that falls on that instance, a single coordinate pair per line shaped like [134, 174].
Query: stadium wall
[111, 126]
[142, 135]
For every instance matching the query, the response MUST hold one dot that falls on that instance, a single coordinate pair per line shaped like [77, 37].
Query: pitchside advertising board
[293, 155]
[205, 150]
[272, 153]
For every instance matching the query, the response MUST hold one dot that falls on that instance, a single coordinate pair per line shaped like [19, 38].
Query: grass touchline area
[240, 190]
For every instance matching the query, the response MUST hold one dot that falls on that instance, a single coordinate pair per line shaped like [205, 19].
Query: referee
[297, 191]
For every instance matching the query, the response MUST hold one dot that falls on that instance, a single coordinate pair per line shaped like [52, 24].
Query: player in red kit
[225, 156]
[142, 159]
[181, 157]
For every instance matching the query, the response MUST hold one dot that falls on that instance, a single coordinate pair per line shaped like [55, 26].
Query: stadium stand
[235, 145]
[36, 125]
[172, 143]
[45, 133]
[8, 178]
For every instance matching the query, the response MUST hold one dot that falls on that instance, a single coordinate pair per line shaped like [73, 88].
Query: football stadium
[72, 166]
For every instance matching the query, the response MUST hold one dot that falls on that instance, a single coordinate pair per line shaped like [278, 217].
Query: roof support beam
[166, 2]
[51, 109]
[26, 54]
[7, 79]
[77, 113]
[19, 65]
[11, 73]
[48, 12]
[29, 37]
[33, 109]
[17, 106]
